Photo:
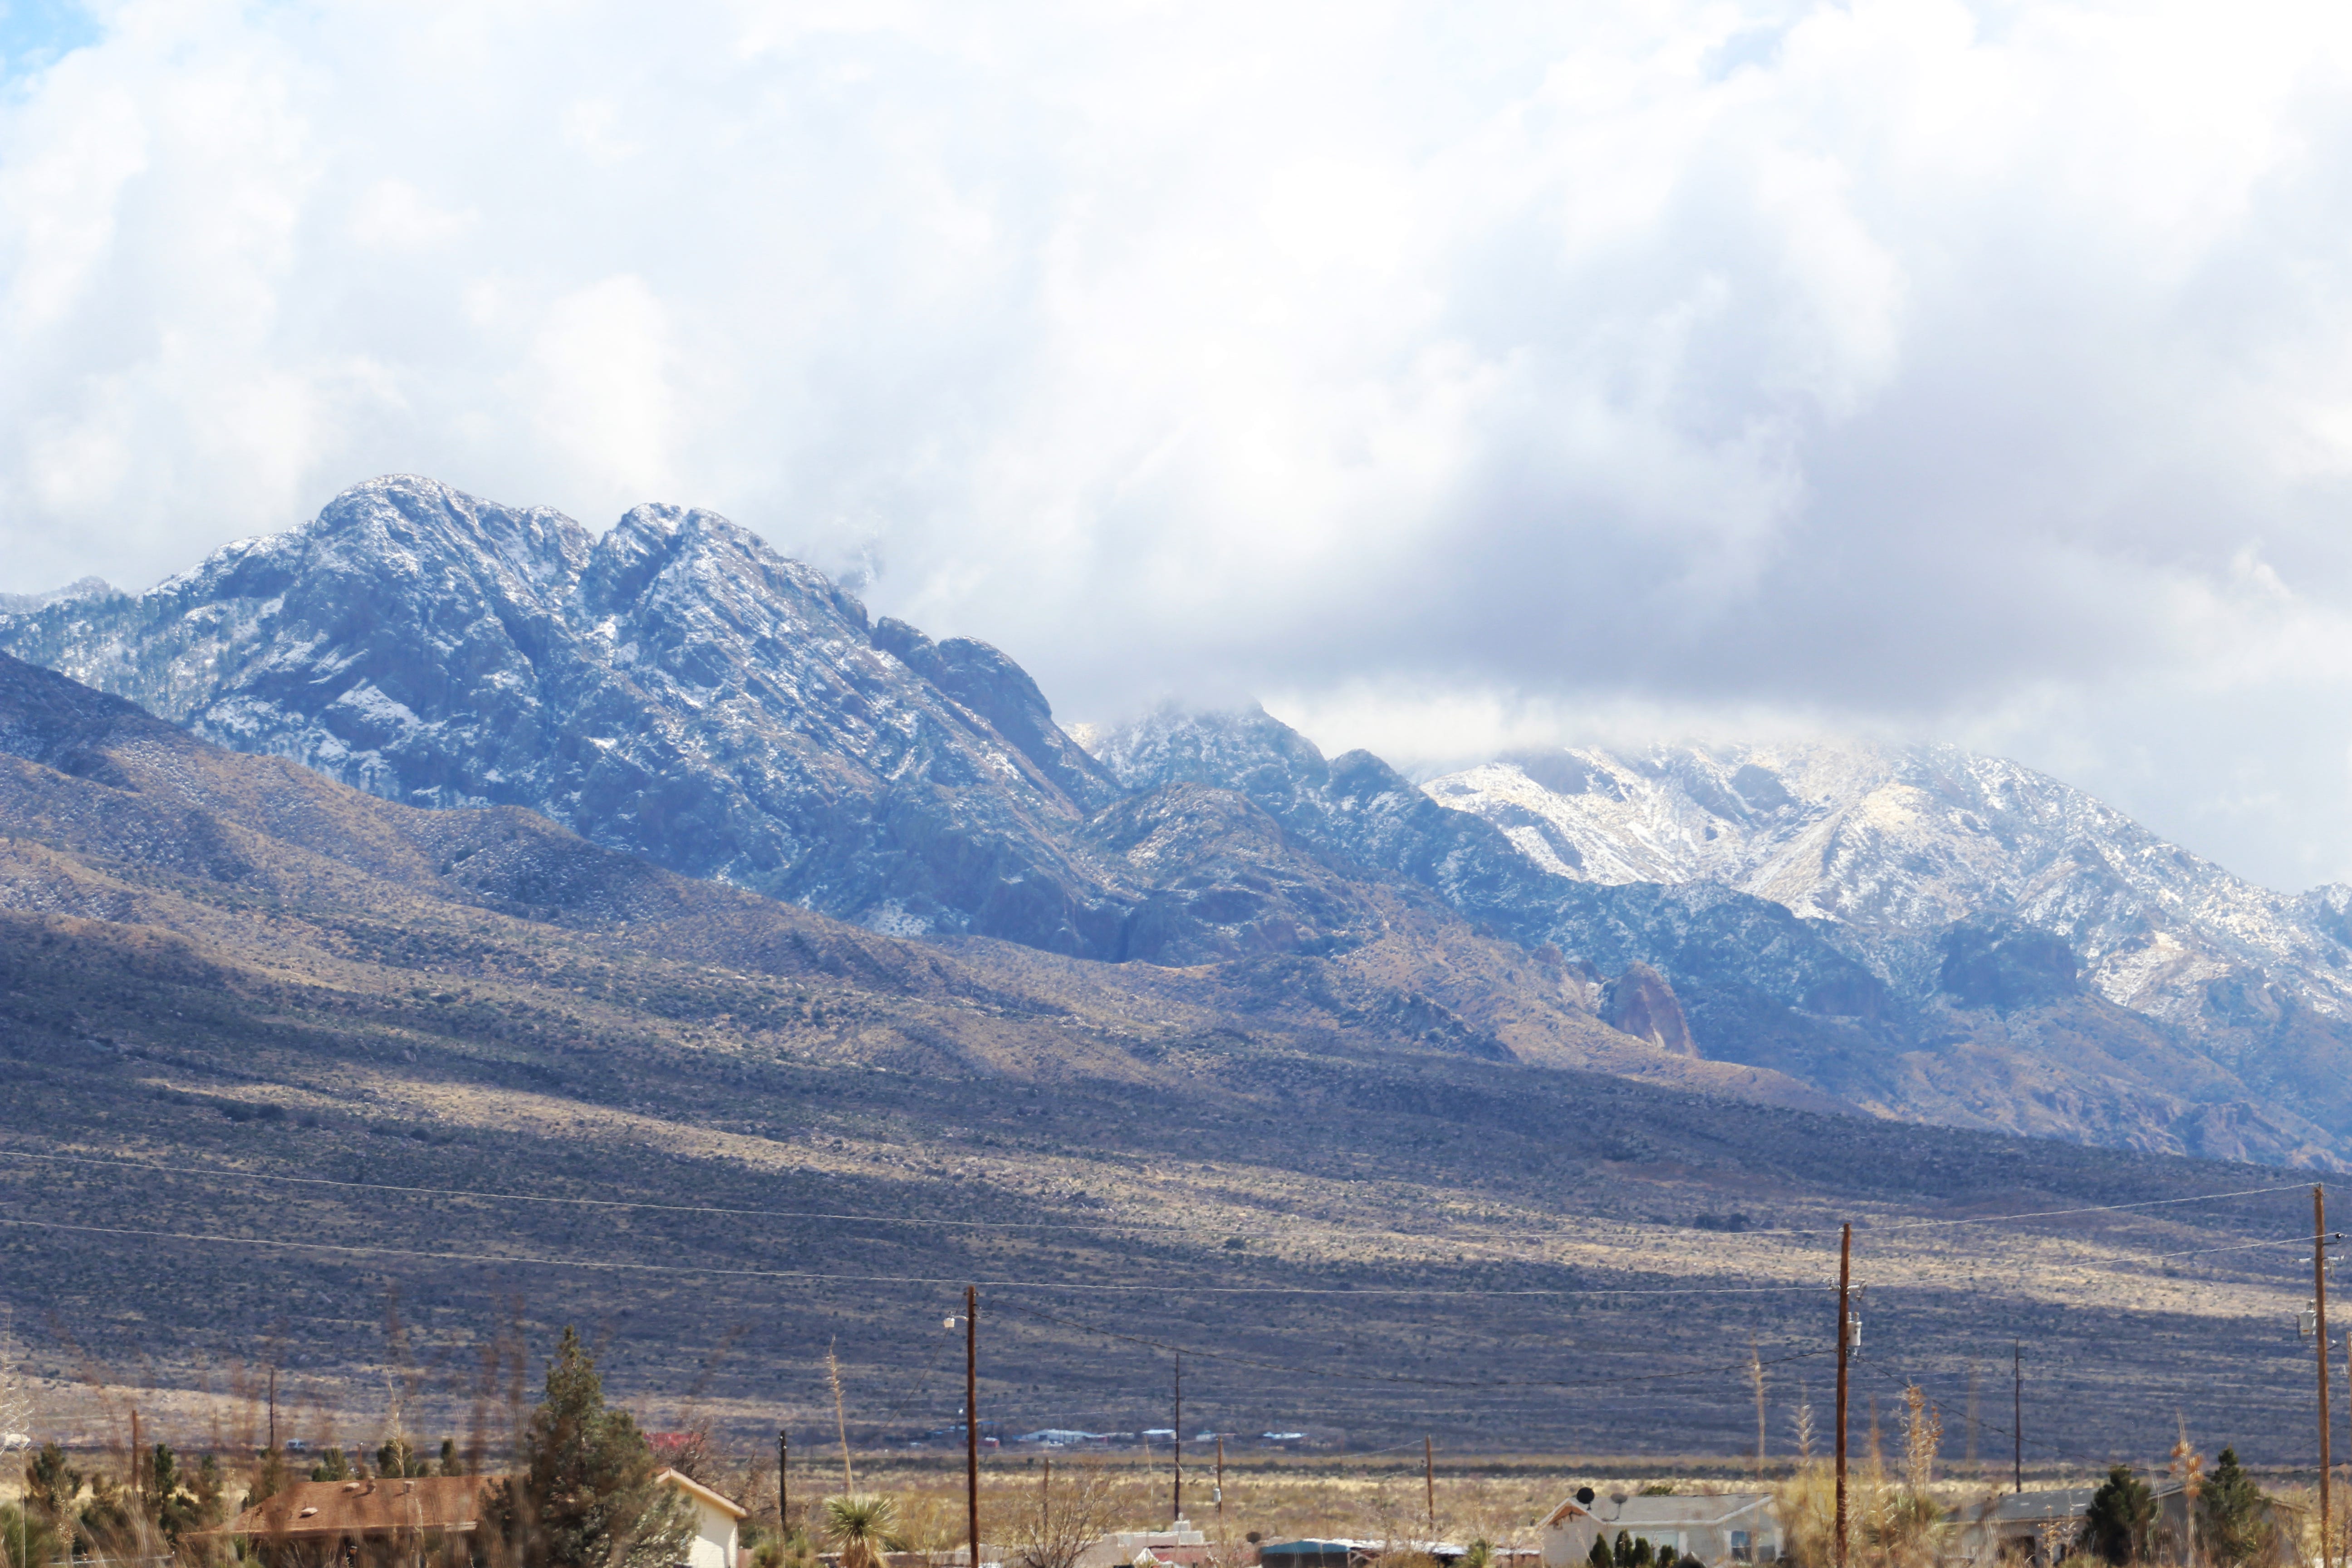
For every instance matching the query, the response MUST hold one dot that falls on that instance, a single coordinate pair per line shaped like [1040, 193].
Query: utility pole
[1429, 1481]
[1179, 1495]
[784, 1482]
[972, 1418]
[2017, 1416]
[2319, 1305]
[273, 1410]
[1844, 1337]
[1220, 1490]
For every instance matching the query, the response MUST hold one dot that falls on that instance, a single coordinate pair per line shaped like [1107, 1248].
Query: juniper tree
[2233, 1520]
[2121, 1521]
[585, 1496]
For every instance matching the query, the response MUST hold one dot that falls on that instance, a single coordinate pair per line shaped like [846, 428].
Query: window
[1741, 1550]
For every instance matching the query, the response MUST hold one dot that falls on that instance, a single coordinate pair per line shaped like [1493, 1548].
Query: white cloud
[1455, 377]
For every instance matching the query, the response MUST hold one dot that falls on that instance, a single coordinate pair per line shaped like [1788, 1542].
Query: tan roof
[448, 1504]
[695, 1488]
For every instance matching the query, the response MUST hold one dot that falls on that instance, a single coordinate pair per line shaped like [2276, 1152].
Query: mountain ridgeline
[1915, 933]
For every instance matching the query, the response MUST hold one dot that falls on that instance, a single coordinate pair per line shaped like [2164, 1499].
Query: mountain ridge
[1856, 922]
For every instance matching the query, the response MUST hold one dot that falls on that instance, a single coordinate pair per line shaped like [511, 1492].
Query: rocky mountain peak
[676, 687]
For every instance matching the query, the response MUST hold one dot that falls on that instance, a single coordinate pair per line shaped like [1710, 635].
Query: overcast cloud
[1450, 376]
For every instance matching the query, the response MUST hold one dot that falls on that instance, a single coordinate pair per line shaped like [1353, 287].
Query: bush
[2121, 1522]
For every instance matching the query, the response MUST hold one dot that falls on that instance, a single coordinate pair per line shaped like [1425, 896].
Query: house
[717, 1541]
[1347, 1552]
[2022, 1526]
[428, 1522]
[391, 1524]
[2036, 1527]
[1181, 1543]
[1717, 1528]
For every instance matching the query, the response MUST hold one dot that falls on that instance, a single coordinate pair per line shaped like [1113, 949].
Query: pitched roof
[695, 1488]
[448, 1504]
[1664, 1511]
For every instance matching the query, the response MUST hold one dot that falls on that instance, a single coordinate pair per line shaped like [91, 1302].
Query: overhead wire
[216, 1172]
[1577, 1385]
[1157, 1288]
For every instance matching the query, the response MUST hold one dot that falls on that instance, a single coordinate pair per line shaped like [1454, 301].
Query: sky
[1452, 379]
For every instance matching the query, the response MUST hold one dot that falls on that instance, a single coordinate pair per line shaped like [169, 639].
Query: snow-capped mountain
[1894, 845]
[1928, 933]
[674, 687]
[1917, 932]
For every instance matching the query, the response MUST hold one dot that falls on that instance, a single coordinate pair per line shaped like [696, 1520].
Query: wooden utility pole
[1220, 1490]
[1429, 1481]
[784, 1482]
[1178, 1497]
[1844, 1337]
[2017, 1413]
[971, 1418]
[273, 1410]
[2319, 1305]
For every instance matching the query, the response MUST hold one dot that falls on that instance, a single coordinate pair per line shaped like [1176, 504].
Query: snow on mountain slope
[675, 689]
[1898, 844]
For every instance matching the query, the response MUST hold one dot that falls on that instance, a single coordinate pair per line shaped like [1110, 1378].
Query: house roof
[2062, 1502]
[450, 1505]
[695, 1488]
[1668, 1511]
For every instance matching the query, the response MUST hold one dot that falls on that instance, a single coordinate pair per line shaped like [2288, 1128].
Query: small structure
[2024, 1527]
[1720, 1529]
[1348, 1551]
[424, 1519]
[717, 1540]
[2035, 1529]
[1181, 1543]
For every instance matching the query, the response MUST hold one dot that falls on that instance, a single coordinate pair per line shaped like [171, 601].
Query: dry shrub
[1069, 1507]
[1806, 1502]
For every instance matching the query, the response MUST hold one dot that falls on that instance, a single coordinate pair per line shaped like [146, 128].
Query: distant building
[1350, 1551]
[2034, 1528]
[428, 1522]
[717, 1540]
[1720, 1529]
[2019, 1525]
[427, 1519]
[1180, 1544]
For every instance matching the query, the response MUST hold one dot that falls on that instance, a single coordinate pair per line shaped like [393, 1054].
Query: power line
[1162, 1288]
[1577, 1385]
[2047, 1214]
[216, 1174]
[2244, 1247]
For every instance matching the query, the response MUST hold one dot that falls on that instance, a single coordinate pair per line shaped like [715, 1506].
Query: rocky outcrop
[1641, 1003]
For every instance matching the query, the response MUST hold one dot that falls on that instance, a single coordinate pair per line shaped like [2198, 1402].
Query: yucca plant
[865, 1526]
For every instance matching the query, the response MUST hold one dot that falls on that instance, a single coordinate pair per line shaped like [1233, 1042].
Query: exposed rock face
[2007, 968]
[1227, 881]
[1641, 1003]
[674, 688]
